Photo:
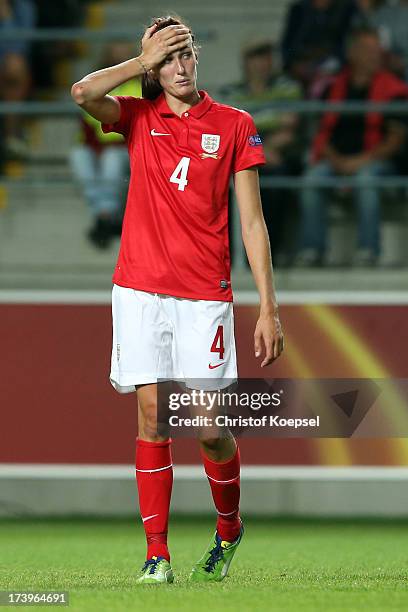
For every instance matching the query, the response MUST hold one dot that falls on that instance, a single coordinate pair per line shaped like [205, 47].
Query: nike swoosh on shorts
[212, 367]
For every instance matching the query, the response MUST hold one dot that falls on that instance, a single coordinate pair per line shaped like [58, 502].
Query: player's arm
[91, 92]
[268, 330]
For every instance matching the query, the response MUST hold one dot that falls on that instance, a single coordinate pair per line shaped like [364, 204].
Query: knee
[316, 171]
[366, 173]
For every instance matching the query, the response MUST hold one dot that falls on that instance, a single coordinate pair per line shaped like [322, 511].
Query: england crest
[210, 142]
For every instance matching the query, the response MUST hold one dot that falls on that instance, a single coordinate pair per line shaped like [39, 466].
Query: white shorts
[164, 337]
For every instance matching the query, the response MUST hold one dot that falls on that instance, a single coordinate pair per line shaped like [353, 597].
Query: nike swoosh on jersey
[146, 518]
[217, 365]
[154, 133]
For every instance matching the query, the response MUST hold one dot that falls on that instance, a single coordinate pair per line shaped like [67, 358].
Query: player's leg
[141, 354]
[222, 465]
[154, 475]
[206, 357]
[204, 337]
[221, 462]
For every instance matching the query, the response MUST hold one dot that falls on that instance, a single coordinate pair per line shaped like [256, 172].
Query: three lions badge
[210, 143]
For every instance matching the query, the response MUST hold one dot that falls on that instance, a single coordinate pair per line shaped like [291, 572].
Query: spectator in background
[391, 21]
[262, 83]
[314, 37]
[323, 78]
[100, 163]
[15, 70]
[363, 146]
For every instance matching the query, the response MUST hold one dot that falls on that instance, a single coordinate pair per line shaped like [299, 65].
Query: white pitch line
[196, 472]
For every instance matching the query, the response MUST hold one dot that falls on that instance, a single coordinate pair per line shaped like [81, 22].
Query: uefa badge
[210, 143]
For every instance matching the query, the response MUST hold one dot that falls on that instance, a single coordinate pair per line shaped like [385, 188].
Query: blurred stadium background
[66, 438]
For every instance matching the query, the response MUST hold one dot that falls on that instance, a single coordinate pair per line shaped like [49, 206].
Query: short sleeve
[248, 144]
[129, 108]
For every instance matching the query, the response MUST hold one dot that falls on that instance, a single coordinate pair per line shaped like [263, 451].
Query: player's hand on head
[157, 45]
[149, 33]
[268, 338]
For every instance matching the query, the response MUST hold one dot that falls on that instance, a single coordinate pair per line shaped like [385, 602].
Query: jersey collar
[197, 111]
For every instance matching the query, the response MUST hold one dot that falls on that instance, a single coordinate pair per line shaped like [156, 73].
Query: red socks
[154, 475]
[224, 482]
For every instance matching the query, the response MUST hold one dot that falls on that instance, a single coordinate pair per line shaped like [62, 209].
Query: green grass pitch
[281, 564]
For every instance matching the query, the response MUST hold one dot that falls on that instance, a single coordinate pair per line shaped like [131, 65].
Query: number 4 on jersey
[179, 175]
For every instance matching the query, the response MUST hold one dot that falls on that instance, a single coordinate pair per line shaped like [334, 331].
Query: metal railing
[303, 107]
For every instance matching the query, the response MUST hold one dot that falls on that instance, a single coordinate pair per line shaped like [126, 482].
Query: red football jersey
[175, 229]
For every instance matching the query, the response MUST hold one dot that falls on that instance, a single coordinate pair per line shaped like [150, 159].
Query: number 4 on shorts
[218, 342]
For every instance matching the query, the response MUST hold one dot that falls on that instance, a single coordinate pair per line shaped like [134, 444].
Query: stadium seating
[52, 207]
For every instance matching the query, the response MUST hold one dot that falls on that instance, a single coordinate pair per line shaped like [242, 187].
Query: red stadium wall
[59, 407]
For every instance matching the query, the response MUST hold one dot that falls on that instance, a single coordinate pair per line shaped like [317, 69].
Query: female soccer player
[172, 298]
